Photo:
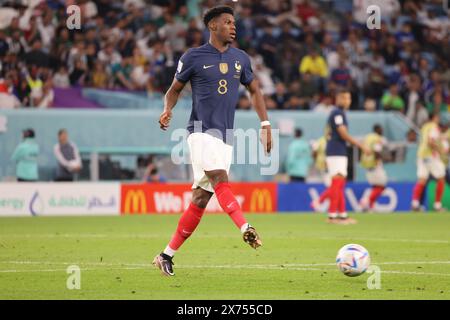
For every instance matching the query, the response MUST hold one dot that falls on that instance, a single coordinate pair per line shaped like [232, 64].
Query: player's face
[344, 100]
[225, 28]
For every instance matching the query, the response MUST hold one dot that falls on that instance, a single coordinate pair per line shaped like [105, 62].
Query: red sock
[439, 190]
[324, 195]
[229, 203]
[341, 204]
[186, 226]
[376, 192]
[334, 196]
[418, 190]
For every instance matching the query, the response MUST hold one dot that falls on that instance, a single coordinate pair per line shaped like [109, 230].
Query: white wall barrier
[52, 199]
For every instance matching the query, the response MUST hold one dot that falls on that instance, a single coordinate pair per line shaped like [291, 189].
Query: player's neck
[220, 46]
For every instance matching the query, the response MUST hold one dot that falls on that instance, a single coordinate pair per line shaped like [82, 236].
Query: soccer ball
[353, 260]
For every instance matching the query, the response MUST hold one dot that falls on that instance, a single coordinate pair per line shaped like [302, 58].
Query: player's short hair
[377, 127]
[28, 133]
[298, 132]
[215, 12]
[61, 131]
[341, 91]
[434, 114]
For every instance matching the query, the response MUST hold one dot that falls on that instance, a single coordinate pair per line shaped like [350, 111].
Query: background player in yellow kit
[373, 163]
[429, 162]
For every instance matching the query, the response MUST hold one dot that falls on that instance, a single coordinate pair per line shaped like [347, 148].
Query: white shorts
[337, 165]
[208, 153]
[326, 178]
[433, 166]
[377, 176]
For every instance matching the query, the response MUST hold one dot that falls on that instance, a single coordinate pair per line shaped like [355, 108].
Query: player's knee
[201, 198]
[217, 177]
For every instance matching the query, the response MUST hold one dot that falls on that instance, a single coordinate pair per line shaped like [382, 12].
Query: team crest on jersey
[237, 66]
[223, 67]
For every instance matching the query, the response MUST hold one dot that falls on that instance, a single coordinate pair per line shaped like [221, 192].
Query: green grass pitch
[296, 261]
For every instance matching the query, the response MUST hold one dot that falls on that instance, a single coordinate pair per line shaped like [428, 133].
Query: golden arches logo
[261, 201]
[135, 202]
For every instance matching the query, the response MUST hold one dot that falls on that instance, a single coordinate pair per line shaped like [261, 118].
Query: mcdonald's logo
[135, 202]
[261, 201]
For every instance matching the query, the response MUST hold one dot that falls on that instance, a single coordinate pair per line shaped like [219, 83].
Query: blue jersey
[336, 146]
[215, 77]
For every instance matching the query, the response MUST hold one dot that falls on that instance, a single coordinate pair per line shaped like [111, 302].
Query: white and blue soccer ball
[353, 260]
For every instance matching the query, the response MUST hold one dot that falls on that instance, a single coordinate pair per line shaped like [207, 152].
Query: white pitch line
[388, 240]
[224, 267]
[200, 236]
[287, 266]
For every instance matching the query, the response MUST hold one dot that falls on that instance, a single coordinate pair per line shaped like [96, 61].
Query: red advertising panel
[174, 198]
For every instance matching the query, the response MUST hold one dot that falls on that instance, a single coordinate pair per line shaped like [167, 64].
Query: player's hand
[266, 138]
[164, 119]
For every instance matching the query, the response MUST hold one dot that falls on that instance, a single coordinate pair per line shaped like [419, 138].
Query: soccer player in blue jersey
[215, 71]
[336, 157]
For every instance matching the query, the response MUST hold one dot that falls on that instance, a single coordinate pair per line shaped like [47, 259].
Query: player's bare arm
[260, 107]
[170, 100]
[343, 132]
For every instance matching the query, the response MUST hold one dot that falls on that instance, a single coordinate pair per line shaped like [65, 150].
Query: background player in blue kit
[336, 157]
[215, 71]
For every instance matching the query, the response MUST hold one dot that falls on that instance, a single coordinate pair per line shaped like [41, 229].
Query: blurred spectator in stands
[245, 29]
[99, 78]
[153, 176]
[314, 64]
[341, 74]
[140, 77]
[299, 158]
[147, 170]
[306, 11]
[61, 78]
[420, 114]
[48, 96]
[270, 103]
[411, 95]
[46, 29]
[391, 100]
[108, 55]
[437, 104]
[244, 103]
[141, 166]
[26, 157]
[308, 90]
[36, 56]
[262, 73]
[375, 85]
[296, 103]
[411, 136]
[7, 99]
[4, 46]
[280, 97]
[173, 32]
[370, 105]
[67, 156]
[122, 73]
[267, 45]
[325, 105]
[35, 84]
[390, 51]
[79, 71]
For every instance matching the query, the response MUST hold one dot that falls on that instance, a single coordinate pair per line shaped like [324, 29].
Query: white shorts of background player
[430, 165]
[377, 176]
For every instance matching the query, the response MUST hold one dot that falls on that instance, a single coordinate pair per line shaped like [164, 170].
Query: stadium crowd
[301, 51]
